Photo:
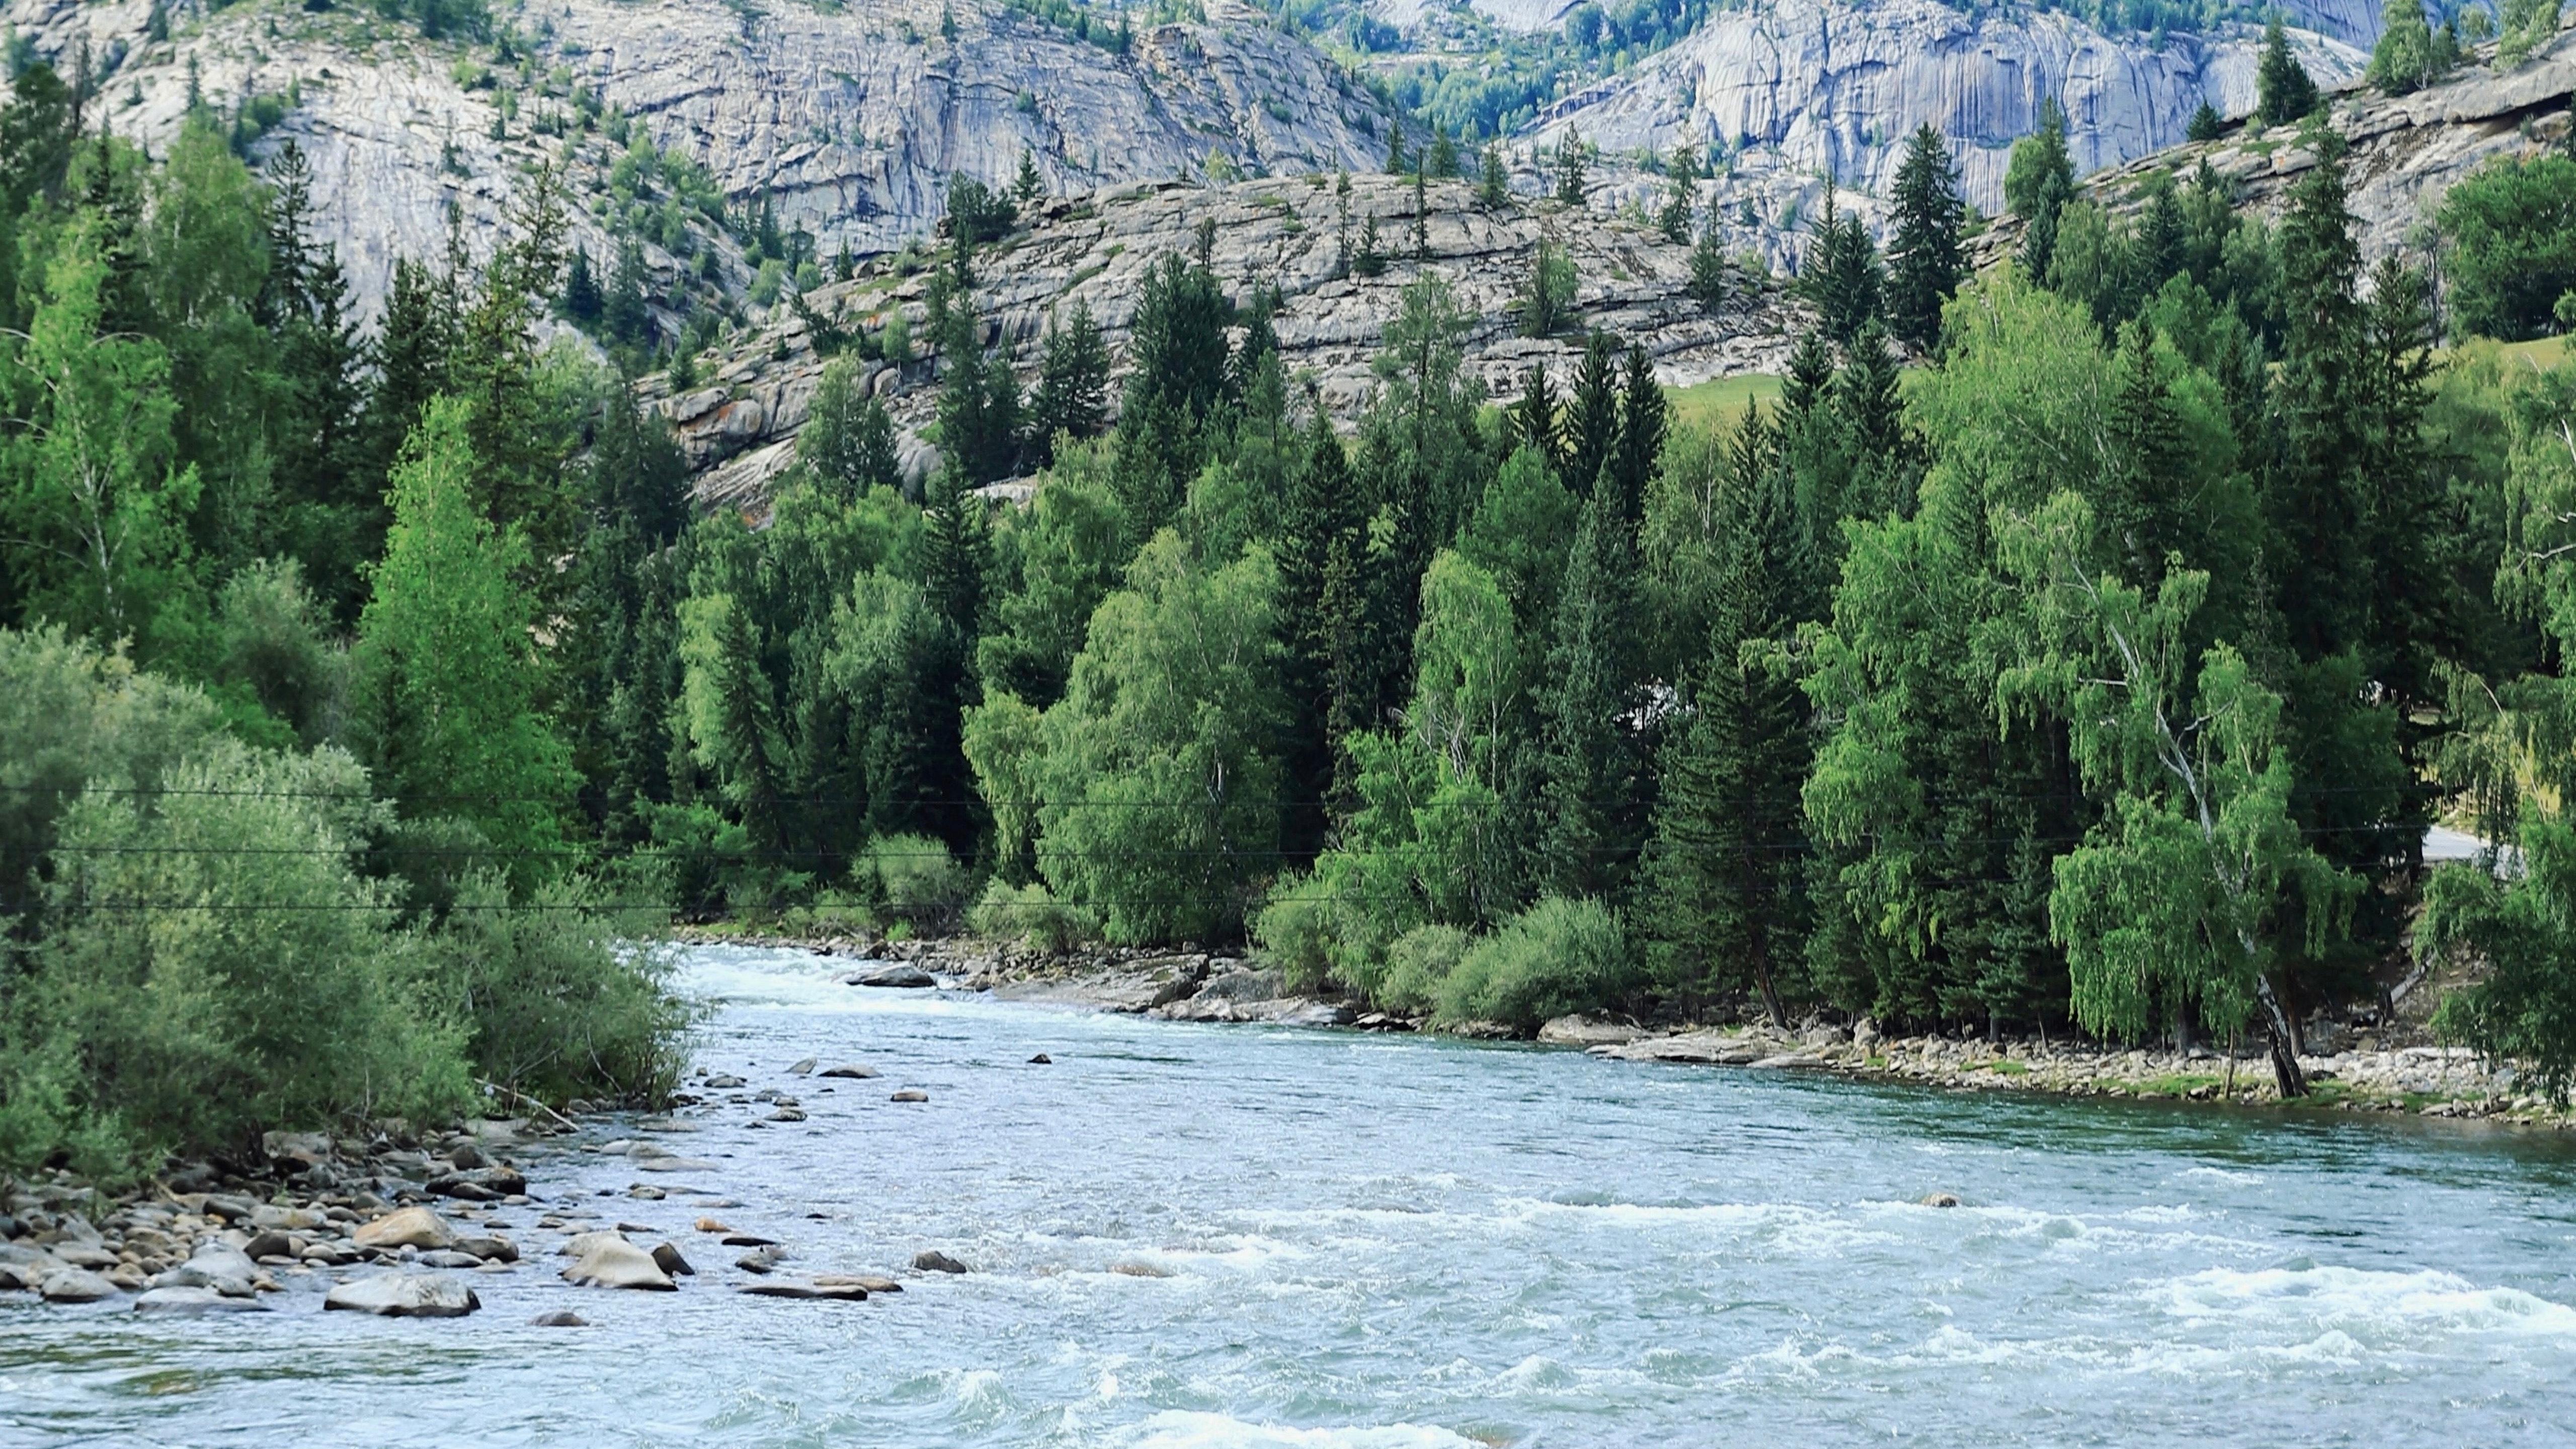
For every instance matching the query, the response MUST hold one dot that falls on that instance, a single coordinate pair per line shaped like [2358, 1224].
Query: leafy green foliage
[1558, 956]
[2510, 227]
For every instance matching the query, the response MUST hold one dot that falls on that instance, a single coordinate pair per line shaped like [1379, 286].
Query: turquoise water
[1385, 1242]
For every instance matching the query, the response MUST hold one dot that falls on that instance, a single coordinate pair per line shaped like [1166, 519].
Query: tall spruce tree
[1073, 384]
[1723, 897]
[2283, 89]
[1591, 424]
[1925, 260]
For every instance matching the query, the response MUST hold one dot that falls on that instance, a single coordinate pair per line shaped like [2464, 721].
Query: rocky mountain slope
[1800, 90]
[848, 117]
[2404, 151]
[740, 429]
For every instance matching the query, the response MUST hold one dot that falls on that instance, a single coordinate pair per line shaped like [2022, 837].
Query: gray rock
[1583, 1031]
[74, 1285]
[850, 1069]
[931, 1260]
[271, 1217]
[910, 1094]
[1042, 1060]
[189, 1302]
[613, 1262]
[448, 1258]
[404, 1295]
[489, 1249]
[801, 1068]
[668, 1259]
[411, 1227]
[892, 974]
[269, 1244]
[1940, 1200]
[836, 1292]
[1245, 985]
[724, 1081]
[559, 1318]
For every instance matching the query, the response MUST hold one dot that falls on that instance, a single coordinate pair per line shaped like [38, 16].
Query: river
[1245, 1236]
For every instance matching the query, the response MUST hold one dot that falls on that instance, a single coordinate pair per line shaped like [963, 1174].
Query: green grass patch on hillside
[1721, 399]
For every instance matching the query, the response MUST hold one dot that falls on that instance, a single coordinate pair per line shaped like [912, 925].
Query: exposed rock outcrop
[849, 119]
[2404, 152]
[1801, 90]
[1285, 232]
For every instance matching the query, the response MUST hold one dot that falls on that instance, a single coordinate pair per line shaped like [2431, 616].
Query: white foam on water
[2219, 1174]
[1179, 1429]
[2368, 1300]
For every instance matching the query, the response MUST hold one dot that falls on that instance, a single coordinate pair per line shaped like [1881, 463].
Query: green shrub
[1293, 934]
[1031, 916]
[921, 884]
[214, 964]
[1556, 957]
[1418, 964]
[557, 999]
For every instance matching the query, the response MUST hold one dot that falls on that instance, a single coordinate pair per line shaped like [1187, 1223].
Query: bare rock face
[848, 119]
[1810, 88]
[2404, 152]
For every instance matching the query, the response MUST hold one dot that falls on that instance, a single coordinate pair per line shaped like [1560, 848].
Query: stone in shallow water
[1940, 1199]
[449, 1258]
[75, 1285]
[869, 1281]
[836, 1292]
[411, 1227]
[668, 1259]
[850, 1069]
[891, 974]
[801, 1068]
[931, 1260]
[617, 1263]
[189, 1302]
[910, 1094]
[559, 1319]
[404, 1295]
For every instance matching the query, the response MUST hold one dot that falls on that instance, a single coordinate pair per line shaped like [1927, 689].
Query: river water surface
[1373, 1242]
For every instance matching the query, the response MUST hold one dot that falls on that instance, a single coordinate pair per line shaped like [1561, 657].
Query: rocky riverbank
[2397, 1076]
[405, 1226]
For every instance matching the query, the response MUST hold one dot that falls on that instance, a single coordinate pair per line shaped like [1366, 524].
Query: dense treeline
[287, 794]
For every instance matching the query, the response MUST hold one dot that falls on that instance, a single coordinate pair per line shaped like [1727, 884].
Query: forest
[2079, 647]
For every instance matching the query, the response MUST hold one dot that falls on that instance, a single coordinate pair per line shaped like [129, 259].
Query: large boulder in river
[609, 1261]
[404, 1295]
[892, 973]
[68, 1284]
[217, 1266]
[411, 1227]
[194, 1302]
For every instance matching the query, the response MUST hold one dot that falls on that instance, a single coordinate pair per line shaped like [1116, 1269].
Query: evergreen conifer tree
[1073, 384]
[2283, 90]
[1708, 269]
[2206, 124]
[1494, 187]
[1534, 421]
[1925, 260]
[1573, 168]
[1591, 423]
[1593, 777]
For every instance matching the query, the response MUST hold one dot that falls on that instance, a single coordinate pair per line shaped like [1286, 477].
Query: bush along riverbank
[2401, 1071]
